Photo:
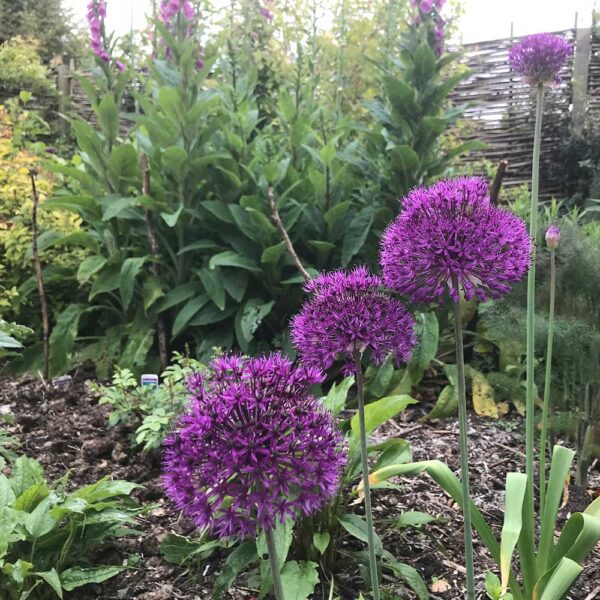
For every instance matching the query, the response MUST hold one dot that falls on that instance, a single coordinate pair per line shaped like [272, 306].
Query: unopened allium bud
[553, 237]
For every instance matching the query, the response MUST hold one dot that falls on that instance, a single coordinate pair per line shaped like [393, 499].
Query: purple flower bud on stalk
[451, 230]
[540, 57]
[426, 6]
[553, 237]
[349, 312]
[254, 448]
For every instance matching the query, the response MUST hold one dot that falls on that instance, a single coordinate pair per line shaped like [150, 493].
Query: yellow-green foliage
[15, 218]
[21, 66]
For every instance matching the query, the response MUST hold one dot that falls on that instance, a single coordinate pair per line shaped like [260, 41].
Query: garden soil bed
[65, 429]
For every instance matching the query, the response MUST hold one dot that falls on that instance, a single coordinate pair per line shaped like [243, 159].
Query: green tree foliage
[44, 20]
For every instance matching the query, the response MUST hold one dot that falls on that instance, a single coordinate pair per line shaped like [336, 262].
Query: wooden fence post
[581, 65]
[64, 95]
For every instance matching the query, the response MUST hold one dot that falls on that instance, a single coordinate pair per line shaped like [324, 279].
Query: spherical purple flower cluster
[170, 10]
[553, 237]
[540, 57]
[450, 231]
[254, 448]
[347, 313]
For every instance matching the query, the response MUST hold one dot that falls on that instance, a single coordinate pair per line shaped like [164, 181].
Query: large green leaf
[446, 404]
[187, 313]
[516, 484]
[63, 336]
[249, 318]
[377, 413]
[424, 65]
[236, 562]
[356, 526]
[89, 267]
[229, 258]
[357, 233]
[299, 579]
[178, 549]
[52, 579]
[213, 285]
[428, 335]
[78, 576]
[129, 271]
[405, 164]
[26, 473]
[335, 401]
[108, 117]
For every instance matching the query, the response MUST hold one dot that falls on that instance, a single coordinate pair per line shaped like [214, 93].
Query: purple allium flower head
[451, 230]
[553, 237]
[254, 448]
[540, 57]
[348, 312]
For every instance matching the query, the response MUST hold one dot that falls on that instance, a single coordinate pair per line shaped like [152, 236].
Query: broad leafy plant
[48, 536]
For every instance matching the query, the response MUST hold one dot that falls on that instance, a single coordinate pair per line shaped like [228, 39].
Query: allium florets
[254, 448]
[553, 237]
[451, 231]
[349, 312]
[540, 57]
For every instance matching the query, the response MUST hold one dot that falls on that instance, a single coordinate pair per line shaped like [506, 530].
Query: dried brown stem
[161, 328]
[496, 184]
[284, 234]
[39, 276]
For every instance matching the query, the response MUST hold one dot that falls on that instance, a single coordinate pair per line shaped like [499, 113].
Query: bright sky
[482, 20]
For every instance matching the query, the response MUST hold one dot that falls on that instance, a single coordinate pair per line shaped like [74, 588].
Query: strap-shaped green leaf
[516, 485]
[560, 581]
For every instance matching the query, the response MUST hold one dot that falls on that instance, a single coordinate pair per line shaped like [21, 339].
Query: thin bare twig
[497, 182]
[284, 234]
[161, 328]
[39, 276]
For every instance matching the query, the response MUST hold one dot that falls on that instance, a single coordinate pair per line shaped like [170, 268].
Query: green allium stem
[365, 475]
[275, 567]
[464, 446]
[547, 382]
[533, 227]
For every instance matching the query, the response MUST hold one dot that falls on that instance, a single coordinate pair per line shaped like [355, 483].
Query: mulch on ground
[66, 430]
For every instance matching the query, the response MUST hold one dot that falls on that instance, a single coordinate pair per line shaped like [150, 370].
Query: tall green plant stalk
[275, 567]
[360, 394]
[533, 227]
[547, 381]
[464, 445]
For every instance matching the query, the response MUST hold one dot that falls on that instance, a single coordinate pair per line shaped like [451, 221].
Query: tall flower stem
[275, 567]
[547, 382]
[533, 227]
[365, 474]
[464, 445]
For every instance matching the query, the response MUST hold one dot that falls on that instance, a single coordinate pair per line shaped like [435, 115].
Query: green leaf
[402, 97]
[392, 452]
[177, 549]
[107, 281]
[357, 233]
[108, 117]
[89, 267]
[561, 580]
[77, 576]
[414, 518]
[151, 291]
[446, 405]
[282, 535]
[272, 254]
[335, 401]
[236, 562]
[424, 65]
[7, 495]
[428, 333]
[18, 571]
[321, 541]
[235, 283]
[39, 521]
[229, 258]
[52, 579]
[171, 218]
[63, 336]
[117, 206]
[328, 153]
[129, 271]
[516, 485]
[187, 313]
[178, 295]
[174, 161]
[299, 579]
[251, 316]
[357, 527]
[335, 213]
[408, 573]
[213, 285]
[377, 413]
[405, 163]
[211, 314]
[137, 347]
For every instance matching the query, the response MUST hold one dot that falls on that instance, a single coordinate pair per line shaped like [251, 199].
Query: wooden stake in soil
[39, 276]
[163, 345]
